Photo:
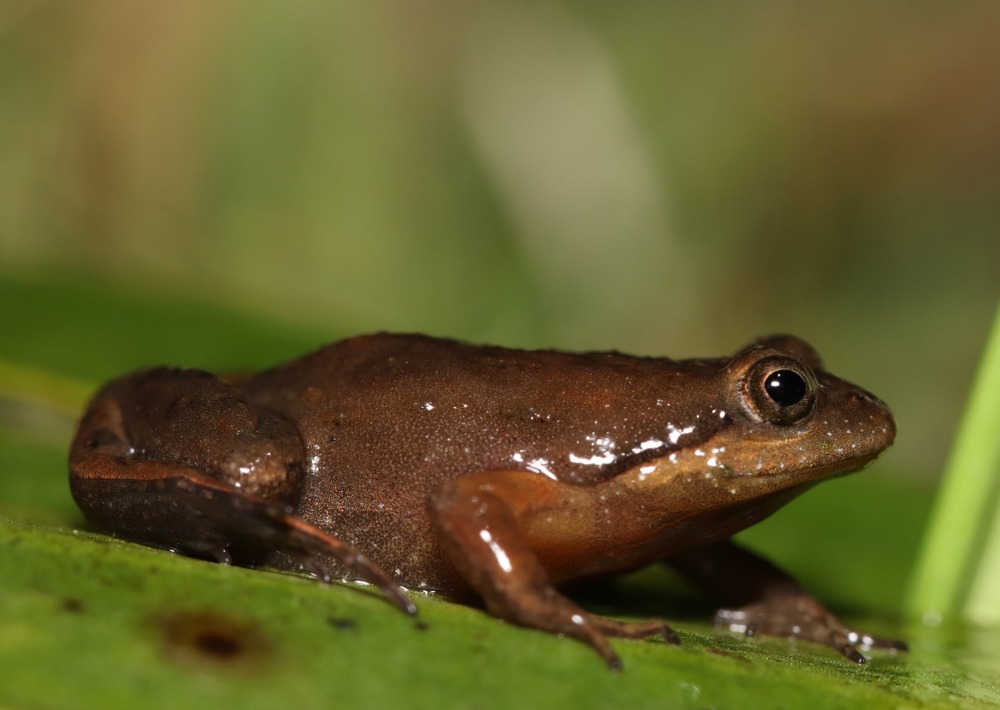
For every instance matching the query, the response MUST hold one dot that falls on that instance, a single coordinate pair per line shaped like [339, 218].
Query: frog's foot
[546, 609]
[636, 629]
[800, 616]
[773, 603]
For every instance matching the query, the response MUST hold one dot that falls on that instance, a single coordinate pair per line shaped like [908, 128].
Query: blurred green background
[661, 178]
[226, 184]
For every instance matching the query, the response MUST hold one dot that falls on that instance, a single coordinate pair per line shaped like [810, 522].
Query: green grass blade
[953, 575]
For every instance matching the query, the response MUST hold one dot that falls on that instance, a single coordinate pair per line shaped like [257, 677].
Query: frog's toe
[850, 643]
[636, 630]
[308, 544]
[864, 640]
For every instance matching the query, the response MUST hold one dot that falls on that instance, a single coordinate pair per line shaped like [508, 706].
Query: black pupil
[785, 387]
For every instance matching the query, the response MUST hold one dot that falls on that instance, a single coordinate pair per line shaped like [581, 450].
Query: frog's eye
[785, 387]
[779, 390]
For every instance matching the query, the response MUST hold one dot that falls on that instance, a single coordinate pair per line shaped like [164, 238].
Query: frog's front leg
[499, 529]
[179, 459]
[768, 600]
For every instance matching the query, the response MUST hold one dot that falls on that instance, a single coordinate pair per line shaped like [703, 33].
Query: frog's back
[386, 418]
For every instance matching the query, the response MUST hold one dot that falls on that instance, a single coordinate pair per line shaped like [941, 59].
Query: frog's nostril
[863, 397]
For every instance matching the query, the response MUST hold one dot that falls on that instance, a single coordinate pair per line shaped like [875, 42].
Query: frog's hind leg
[178, 459]
[484, 523]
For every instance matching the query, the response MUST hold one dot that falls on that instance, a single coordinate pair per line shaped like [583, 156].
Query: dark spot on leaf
[421, 626]
[73, 606]
[197, 637]
[341, 623]
[219, 644]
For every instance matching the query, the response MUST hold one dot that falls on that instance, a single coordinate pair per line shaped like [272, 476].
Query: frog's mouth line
[818, 472]
[753, 480]
[716, 490]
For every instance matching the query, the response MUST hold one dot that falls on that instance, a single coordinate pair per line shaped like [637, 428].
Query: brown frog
[415, 462]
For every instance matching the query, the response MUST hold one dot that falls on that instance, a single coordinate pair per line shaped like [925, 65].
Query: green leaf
[89, 621]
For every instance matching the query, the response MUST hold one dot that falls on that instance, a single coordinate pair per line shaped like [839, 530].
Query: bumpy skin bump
[486, 471]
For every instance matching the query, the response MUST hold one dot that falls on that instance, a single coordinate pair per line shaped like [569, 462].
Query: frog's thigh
[193, 418]
[496, 527]
[161, 501]
[138, 469]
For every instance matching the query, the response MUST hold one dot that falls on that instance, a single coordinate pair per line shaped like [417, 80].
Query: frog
[488, 475]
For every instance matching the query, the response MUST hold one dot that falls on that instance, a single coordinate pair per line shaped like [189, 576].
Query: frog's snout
[880, 414]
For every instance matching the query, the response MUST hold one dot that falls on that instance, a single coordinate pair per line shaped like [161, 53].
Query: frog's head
[779, 424]
[791, 418]
[772, 424]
